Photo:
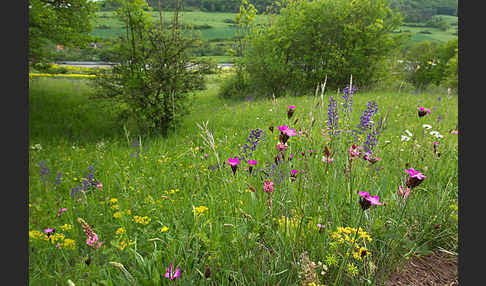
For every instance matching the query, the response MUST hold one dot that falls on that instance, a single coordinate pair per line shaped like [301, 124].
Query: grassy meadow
[154, 202]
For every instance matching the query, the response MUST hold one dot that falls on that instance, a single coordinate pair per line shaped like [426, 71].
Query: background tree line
[411, 10]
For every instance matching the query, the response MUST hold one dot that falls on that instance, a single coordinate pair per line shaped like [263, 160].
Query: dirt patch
[434, 269]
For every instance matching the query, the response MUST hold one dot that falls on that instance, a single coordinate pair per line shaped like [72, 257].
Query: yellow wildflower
[164, 229]
[200, 210]
[142, 220]
[69, 243]
[120, 231]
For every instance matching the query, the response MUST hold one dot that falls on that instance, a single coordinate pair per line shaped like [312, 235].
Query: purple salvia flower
[58, 178]
[75, 190]
[253, 140]
[332, 122]
[371, 139]
[348, 98]
[44, 172]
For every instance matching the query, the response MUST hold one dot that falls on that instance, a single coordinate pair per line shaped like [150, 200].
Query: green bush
[310, 40]
[234, 86]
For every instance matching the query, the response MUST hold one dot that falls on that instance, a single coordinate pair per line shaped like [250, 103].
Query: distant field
[222, 28]
[436, 34]
[219, 28]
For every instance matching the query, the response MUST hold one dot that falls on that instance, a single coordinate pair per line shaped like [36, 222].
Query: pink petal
[364, 194]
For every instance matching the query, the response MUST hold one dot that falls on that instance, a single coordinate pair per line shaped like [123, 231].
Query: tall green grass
[239, 238]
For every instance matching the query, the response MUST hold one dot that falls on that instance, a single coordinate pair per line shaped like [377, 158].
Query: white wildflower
[36, 147]
[408, 132]
[405, 138]
[436, 134]
[427, 126]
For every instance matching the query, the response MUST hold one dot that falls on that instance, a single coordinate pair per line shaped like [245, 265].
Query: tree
[63, 22]
[155, 75]
[310, 40]
[422, 64]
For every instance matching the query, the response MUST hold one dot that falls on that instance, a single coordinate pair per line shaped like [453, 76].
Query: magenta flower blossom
[99, 185]
[415, 174]
[91, 237]
[92, 240]
[353, 151]
[290, 112]
[422, 111]
[171, 274]
[290, 132]
[367, 200]
[233, 161]
[293, 175]
[367, 156]
[403, 192]
[268, 187]
[415, 178]
[61, 211]
[281, 147]
[283, 137]
[327, 159]
[49, 231]
[252, 163]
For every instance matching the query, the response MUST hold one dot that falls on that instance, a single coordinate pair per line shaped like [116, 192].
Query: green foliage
[451, 79]
[155, 76]
[421, 61]
[310, 40]
[234, 86]
[432, 63]
[60, 22]
[438, 22]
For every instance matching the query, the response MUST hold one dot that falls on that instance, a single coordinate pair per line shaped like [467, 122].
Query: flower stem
[338, 277]
[391, 240]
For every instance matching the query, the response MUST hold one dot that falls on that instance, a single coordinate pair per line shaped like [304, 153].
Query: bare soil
[434, 269]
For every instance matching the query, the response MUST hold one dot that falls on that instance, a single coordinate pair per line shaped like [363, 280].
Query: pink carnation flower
[415, 174]
[291, 132]
[233, 161]
[367, 200]
[61, 211]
